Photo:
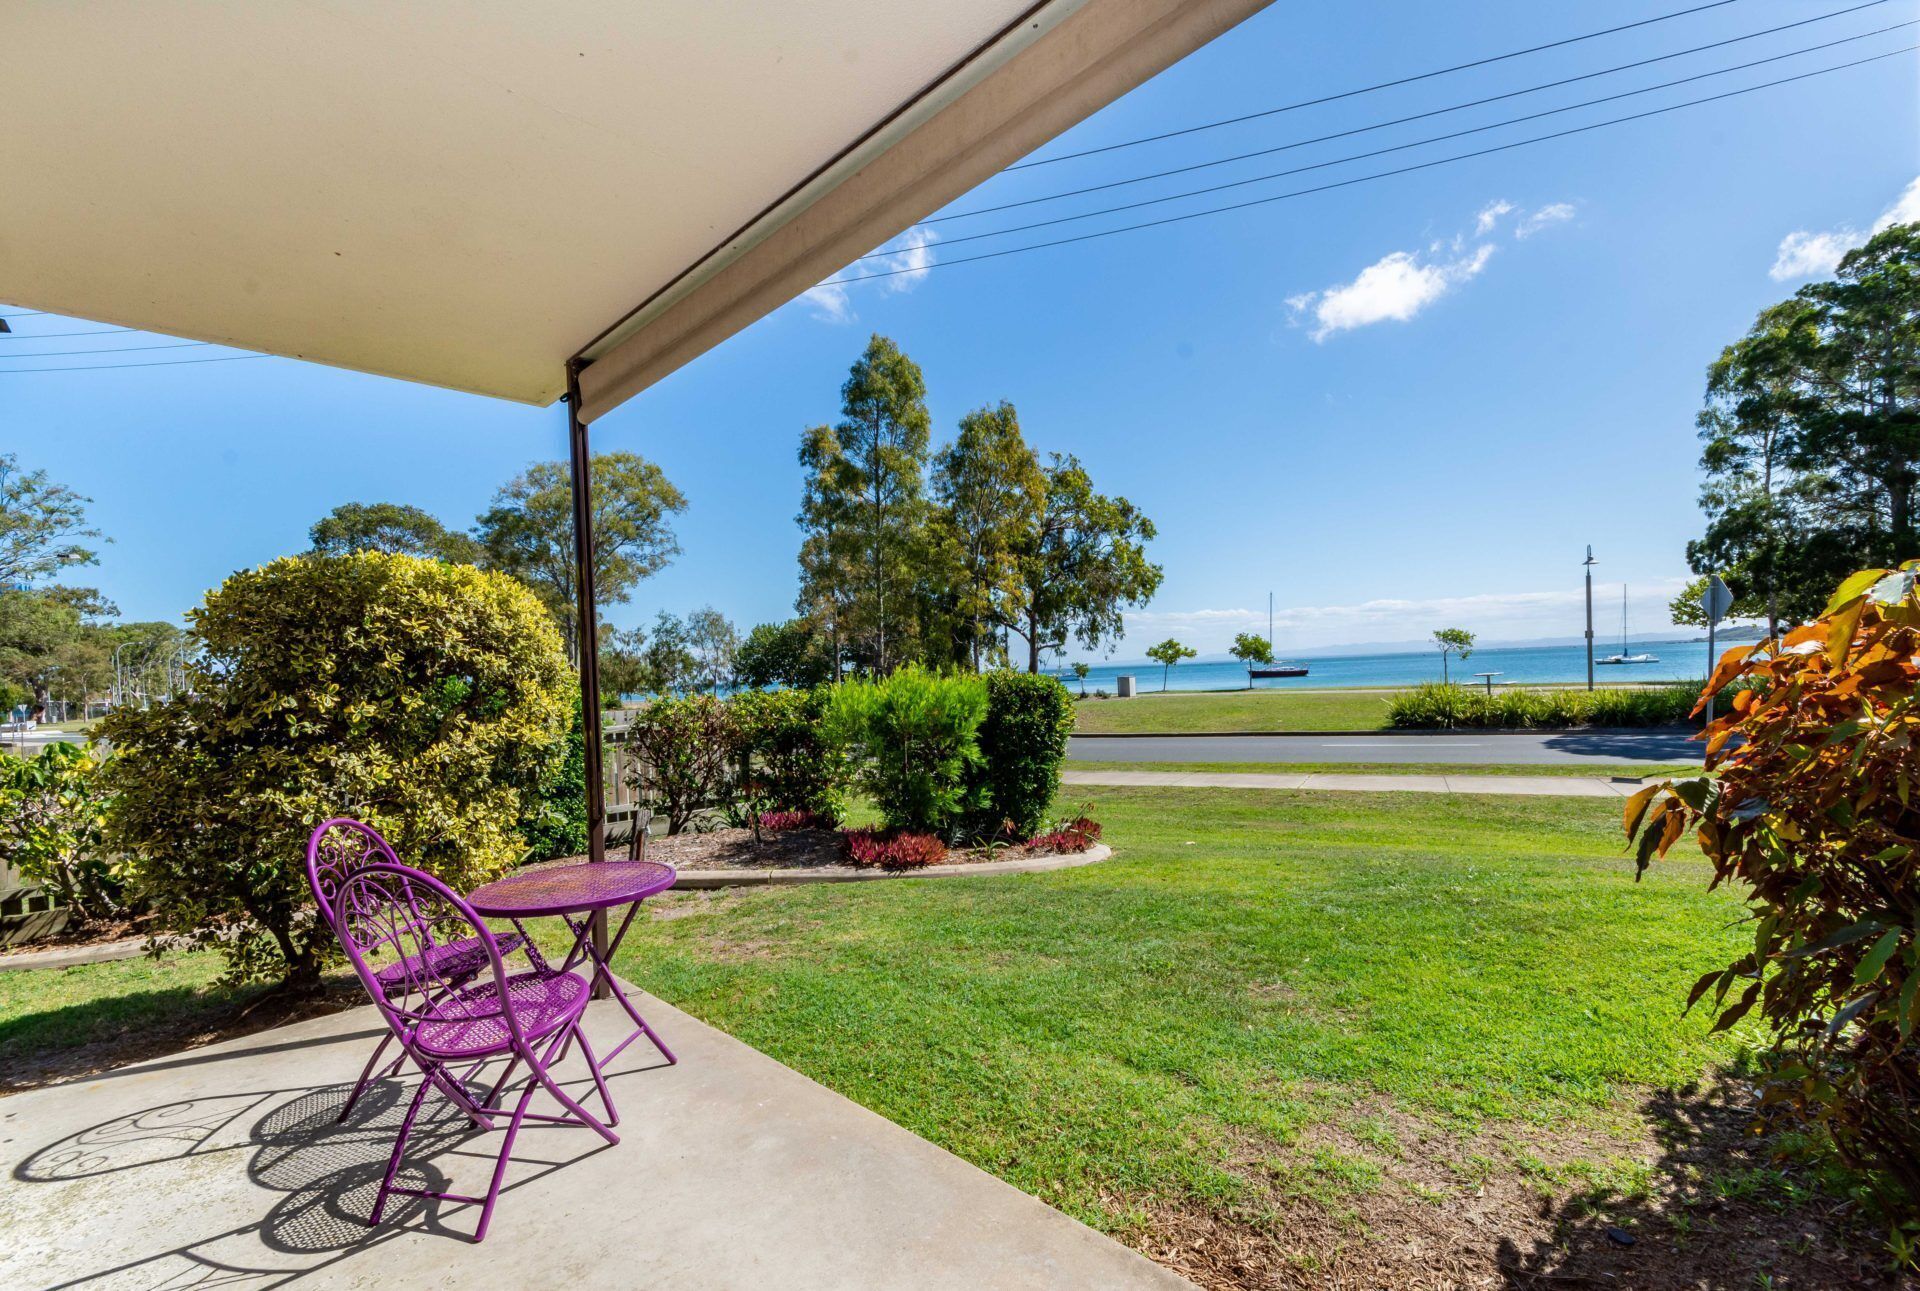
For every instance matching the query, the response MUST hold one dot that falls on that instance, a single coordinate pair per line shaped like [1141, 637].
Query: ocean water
[1683, 660]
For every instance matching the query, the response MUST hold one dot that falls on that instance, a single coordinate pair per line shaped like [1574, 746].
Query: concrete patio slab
[225, 1166]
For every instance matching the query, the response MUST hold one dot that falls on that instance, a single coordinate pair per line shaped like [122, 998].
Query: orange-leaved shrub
[1808, 802]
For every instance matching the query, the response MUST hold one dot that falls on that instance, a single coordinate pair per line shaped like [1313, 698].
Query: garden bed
[724, 857]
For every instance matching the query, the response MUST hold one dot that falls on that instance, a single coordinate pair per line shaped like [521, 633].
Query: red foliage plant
[1807, 802]
[1075, 835]
[778, 820]
[892, 850]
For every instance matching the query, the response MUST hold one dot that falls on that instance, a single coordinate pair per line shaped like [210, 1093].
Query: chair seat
[468, 1023]
[466, 957]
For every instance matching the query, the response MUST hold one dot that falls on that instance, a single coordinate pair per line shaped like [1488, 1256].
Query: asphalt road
[1530, 748]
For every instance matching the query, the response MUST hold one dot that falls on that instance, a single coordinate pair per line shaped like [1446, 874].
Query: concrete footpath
[1537, 785]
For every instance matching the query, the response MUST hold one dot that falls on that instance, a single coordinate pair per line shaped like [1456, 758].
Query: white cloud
[1490, 215]
[1555, 213]
[1393, 288]
[906, 264]
[1810, 254]
[1905, 208]
[1493, 616]
[1400, 284]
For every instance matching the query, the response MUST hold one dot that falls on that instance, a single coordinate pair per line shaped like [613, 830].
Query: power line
[123, 349]
[1458, 107]
[1369, 89]
[154, 363]
[1362, 179]
[47, 336]
[1362, 156]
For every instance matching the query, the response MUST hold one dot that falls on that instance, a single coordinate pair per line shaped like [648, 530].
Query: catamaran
[1279, 667]
[1623, 656]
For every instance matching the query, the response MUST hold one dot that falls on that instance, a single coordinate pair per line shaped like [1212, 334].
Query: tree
[1167, 654]
[1688, 609]
[1249, 650]
[1812, 433]
[713, 642]
[992, 490]
[1451, 641]
[1083, 564]
[1081, 670]
[528, 532]
[783, 654]
[669, 659]
[826, 551]
[53, 644]
[42, 525]
[623, 664]
[427, 699]
[882, 437]
[392, 528]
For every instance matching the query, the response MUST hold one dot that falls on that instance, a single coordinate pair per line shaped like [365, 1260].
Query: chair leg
[399, 1149]
[500, 1165]
[599, 1080]
[367, 1077]
[566, 1100]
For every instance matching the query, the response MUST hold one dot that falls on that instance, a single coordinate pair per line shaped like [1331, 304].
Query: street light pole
[1589, 565]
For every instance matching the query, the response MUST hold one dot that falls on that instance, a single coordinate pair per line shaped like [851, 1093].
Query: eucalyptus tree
[43, 526]
[883, 441]
[393, 528]
[1812, 434]
[1081, 565]
[992, 492]
[528, 532]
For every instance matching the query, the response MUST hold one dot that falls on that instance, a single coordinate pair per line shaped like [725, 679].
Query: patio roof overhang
[516, 200]
[473, 195]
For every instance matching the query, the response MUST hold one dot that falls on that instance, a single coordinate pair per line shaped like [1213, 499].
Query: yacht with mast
[1279, 667]
[1623, 657]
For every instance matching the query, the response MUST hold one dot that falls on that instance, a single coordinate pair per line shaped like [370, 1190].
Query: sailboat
[1279, 667]
[1623, 656]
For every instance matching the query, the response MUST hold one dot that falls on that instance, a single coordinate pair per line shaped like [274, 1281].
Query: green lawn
[1247, 710]
[1601, 769]
[45, 1012]
[1250, 969]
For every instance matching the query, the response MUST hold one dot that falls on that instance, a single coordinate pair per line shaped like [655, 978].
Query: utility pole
[1589, 565]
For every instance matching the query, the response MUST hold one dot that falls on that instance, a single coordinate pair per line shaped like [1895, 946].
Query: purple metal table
[576, 893]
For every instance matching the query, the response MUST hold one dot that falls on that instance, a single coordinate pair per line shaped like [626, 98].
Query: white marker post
[1716, 601]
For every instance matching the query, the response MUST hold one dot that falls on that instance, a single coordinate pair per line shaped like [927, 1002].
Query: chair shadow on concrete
[294, 1142]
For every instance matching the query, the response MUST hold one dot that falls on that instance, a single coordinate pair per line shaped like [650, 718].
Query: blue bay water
[1680, 660]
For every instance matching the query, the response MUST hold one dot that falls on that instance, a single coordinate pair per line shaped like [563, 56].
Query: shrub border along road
[1385, 730]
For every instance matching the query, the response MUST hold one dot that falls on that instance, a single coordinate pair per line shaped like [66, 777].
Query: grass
[44, 1011]
[1248, 970]
[1248, 710]
[1589, 771]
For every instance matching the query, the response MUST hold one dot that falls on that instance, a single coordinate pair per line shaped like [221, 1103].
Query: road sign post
[1716, 601]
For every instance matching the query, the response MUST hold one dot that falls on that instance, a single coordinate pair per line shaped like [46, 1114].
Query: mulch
[789, 849]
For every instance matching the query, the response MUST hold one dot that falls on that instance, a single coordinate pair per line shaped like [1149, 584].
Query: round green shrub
[424, 698]
[1023, 741]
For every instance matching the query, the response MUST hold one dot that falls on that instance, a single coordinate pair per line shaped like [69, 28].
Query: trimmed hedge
[914, 736]
[1023, 741]
[1448, 707]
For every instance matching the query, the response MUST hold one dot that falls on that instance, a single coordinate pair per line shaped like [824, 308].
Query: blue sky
[1398, 405]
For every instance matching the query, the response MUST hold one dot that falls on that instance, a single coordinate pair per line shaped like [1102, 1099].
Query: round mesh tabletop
[565, 889]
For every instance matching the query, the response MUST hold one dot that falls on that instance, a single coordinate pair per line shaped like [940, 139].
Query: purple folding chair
[391, 919]
[341, 846]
